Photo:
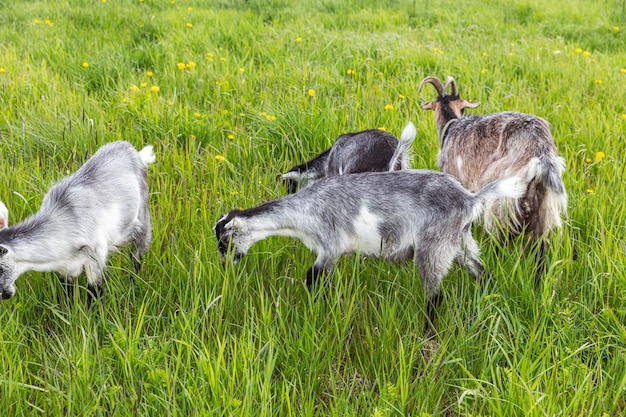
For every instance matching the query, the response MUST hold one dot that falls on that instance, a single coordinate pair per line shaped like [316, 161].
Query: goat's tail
[147, 155]
[513, 187]
[402, 156]
[545, 185]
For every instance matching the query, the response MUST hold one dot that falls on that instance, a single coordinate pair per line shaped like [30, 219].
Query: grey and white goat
[367, 151]
[399, 215]
[480, 149]
[82, 219]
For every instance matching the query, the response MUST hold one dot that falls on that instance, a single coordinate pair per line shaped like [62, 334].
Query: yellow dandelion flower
[311, 92]
[190, 8]
[149, 73]
[271, 118]
[192, 136]
[485, 54]
[231, 136]
[190, 65]
[401, 96]
[578, 50]
[2, 70]
[209, 55]
[223, 59]
[85, 64]
[242, 70]
[594, 60]
[589, 191]
[134, 88]
[143, 85]
[104, 1]
[388, 106]
[263, 114]
[220, 158]
[234, 193]
[48, 22]
[616, 28]
[588, 160]
[599, 156]
[125, 100]
[586, 53]
[598, 81]
[483, 71]
[242, 114]
[298, 39]
[624, 116]
[623, 70]
[37, 21]
[154, 89]
[196, 114]
[510, 53]
[382, 129]
[189, 25]
[181, 66]
[351, 72]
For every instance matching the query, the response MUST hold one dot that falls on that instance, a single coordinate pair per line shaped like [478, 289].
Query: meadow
[231, 93]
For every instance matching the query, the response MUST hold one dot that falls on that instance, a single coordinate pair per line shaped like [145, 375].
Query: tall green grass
[233, 92]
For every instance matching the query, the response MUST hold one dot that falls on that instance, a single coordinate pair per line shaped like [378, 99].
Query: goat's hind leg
[141, 238]
[433, 266]
[469, 256]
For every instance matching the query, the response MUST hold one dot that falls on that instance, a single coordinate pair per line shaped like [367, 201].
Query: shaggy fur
[480, 149]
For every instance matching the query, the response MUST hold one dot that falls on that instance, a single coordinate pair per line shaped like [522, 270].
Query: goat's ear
[469, 104]
[3, 251]
[428, 106]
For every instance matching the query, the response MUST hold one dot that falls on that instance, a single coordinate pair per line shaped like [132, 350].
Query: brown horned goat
[480, 149]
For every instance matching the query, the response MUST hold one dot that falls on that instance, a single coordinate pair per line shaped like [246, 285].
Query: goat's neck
[36, 239]
[444, 130]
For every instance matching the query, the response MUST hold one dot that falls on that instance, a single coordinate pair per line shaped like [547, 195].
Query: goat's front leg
[322, 266]
[94, 270]
[68, 285]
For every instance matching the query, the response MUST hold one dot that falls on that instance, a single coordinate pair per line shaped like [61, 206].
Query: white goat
[397, 215]
[82, 219]
[367, 151]
[480, 149]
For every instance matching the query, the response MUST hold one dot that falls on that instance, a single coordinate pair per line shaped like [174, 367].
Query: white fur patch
[368, 239]
[459, 163]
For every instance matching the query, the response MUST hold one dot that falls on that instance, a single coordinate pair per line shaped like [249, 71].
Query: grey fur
[397, 215]
[82, 219]
[480, 149]
[367, 151]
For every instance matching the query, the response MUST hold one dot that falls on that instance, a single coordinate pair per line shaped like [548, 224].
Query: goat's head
[447, 106]
[7, 273]
[230, 236]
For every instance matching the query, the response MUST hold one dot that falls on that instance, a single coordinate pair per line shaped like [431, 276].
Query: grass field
[231, 94]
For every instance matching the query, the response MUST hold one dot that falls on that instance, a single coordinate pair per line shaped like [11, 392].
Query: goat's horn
[450, 82]
[435, 82]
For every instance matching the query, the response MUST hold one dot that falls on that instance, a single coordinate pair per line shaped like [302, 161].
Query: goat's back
[480, 149]
[105, 195]
[369, 150]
